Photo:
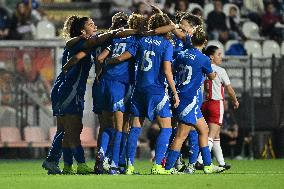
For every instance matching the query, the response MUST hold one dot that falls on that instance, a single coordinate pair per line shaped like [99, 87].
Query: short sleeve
[225, 77]
[206, 66]
[168, 56]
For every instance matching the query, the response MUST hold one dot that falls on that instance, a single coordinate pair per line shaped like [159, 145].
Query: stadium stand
[45, 30]
[207, 9]
[270, 47]
[35, 137]
[10, 137]
[251, 30]
[254, 48]
[229, 43]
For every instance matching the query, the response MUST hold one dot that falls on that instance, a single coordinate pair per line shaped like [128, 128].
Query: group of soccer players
[145, 68]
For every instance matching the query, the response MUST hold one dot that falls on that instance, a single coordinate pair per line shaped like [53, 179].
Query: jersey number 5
[147, 60]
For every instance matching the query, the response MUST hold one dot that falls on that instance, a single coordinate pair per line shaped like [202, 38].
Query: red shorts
[213, 111]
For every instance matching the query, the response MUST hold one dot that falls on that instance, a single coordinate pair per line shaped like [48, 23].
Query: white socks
[217, 150]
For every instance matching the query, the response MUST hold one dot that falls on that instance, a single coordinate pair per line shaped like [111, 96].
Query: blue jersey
[180, 46]
[191, 65]
[122, 71]
[75, 79]
[150, 53]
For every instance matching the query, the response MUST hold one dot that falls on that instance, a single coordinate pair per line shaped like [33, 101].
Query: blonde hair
[136, 21]
[199, 36]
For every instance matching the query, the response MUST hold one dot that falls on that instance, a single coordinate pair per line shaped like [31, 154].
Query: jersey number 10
[184, 74]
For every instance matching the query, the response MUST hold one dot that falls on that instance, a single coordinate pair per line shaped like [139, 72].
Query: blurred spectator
[268, 22]
[22, 26]
[141, 8]
[198, 12]
[233, 22]
[36, 12]
[254, 9]
[200, 2]
[5, 22]
[216, 23]
[181, 5]
[229, 132]
[169, 10]
[121, 6]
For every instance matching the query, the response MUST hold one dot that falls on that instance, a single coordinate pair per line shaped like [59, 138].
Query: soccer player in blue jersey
[68, 100]
[191, 64]
[116, 82]
[187, 23]
[153, 56]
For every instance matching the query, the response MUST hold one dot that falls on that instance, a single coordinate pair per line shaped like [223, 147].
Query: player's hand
[176, 100]
[236, 105]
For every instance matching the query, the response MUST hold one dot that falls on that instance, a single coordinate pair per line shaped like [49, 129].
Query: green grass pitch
[257, 174]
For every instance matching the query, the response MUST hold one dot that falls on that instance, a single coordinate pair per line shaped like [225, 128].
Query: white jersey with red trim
[214, 89]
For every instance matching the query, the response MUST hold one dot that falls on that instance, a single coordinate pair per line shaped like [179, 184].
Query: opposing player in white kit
[213, 105]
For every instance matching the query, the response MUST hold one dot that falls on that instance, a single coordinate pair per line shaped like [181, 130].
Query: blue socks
[110, 144]
[171, 159]
[67, 156]
[132, 144]
[162, 144]
[78, 154]
[122, 155]
[116, 148]
[106, 137]
[206, 155]
[193, 146]
[55, 151]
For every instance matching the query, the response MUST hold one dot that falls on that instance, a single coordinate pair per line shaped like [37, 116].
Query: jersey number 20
[119, 48]
[185, 73]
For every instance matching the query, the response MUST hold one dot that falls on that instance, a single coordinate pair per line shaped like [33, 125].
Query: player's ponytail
[199, 36]
[73, 26]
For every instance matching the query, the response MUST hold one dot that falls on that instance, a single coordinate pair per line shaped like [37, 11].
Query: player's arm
[207, 69]
[124, 56]
[100, 60]
[98, 40]
[74, 60]
[211, 75]
[179, 34]
[91, 42]
[126, 33]
[160, 30]
[225, 79]
[232, 96]
[131, 52]
[73, 41]
[167, 67]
